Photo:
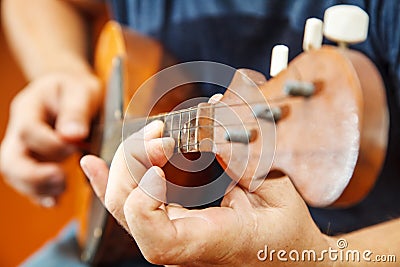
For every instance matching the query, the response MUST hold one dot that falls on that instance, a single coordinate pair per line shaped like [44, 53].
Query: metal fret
[196, 132]
[172, 126]
[193, 126]
[184, 131]
[179, 131]
[189, 127]
[188, 133]
[167, 126]
[205, 127]
[175, 129]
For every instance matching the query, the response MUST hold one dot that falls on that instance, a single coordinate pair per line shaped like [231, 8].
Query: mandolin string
[98, 127]
[198, 143]
[210, 126]
[187, 145]
[187, 110]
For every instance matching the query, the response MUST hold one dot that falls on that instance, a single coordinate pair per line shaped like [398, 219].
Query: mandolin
[322, 120]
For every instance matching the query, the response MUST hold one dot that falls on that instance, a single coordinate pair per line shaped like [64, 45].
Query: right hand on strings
[47, 119]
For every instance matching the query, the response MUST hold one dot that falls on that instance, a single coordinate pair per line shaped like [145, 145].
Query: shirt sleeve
[385, 30]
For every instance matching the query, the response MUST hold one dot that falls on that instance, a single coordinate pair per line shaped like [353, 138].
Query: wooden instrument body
[102, 239]
[119, 54]
[332, 144]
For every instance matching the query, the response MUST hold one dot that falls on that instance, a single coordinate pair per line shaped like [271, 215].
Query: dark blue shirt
[242, 33]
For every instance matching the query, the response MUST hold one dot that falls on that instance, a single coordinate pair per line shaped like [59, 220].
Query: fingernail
[56, 178]
[152, 177]
[215, 98]
[73, 129]
[56, 190]
[47, 202]
[69, 150]
[85, 168]
[152, 126]
[153, 183]
[167, 144]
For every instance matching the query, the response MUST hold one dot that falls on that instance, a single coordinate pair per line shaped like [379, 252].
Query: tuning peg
[279, 59]
[312, 34]
[346, 24]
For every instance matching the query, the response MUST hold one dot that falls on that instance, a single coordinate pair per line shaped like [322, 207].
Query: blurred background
[24, 226]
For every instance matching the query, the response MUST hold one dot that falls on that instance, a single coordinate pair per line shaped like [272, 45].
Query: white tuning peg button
[312, 34]
[279, 59]
[346, 24]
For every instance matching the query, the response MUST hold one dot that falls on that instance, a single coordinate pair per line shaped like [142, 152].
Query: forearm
[382, 240]
[46, 36]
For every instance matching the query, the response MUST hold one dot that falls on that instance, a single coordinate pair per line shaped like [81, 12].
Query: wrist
[64, 63]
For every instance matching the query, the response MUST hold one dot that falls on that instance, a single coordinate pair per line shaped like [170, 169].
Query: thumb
[154, 185]
[96, 171]
[77, 107]
[278, 191]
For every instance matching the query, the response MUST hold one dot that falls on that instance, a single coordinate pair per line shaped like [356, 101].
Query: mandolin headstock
[330, 111]
[244, 130]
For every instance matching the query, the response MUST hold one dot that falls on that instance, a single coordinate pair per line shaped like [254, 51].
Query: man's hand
[231, 235]
[46, 119]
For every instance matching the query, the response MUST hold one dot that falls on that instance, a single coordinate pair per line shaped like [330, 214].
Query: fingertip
[91, 165]
[51, 185]
[85, 163]
[153, 125]
[154, 185]
[215, 98]
[236, 198]
[168, 144]
[72, 130]
[96, 170]
[47, 202]
[160, 150]
[159, 172]
[53, 172]
[153, 129]
[153, 175]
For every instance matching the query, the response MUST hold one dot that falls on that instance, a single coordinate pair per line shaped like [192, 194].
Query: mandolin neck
[191, 128]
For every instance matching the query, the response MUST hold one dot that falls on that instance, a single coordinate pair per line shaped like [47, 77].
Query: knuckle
[2, 157]
[37, 182]
[156, 256]
[6, 164]
[51, 188]
[16, 102]
[24, 182]
[91, 84]
[134, 207]
[157, 155]
[112, 205]
[24, 131]
[5, 171]
[94, 83]
[131, 209]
